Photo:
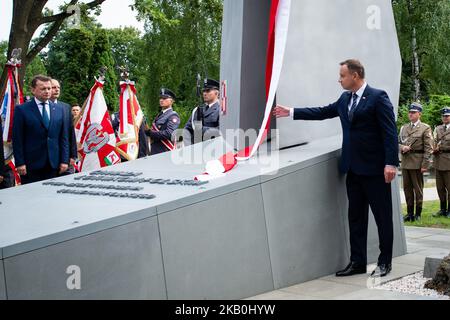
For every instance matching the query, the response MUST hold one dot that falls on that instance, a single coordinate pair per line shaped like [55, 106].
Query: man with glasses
[416, 147]
[442, 162]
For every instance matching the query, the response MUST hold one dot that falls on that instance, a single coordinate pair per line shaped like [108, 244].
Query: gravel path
[412, 284]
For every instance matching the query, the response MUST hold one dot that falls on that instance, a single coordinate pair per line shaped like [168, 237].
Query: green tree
[127, 48]
[36, 66]
[28, 16]
[68, 61]
[182, 38]
[102, 56]
[423, 29]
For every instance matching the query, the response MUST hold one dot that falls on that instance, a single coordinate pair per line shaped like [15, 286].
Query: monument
[146, 230]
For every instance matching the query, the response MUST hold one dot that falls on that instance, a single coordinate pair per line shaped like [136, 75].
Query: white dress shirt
[47, 106]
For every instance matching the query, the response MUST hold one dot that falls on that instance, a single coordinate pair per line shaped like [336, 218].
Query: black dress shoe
[352, 269]
[382, 270]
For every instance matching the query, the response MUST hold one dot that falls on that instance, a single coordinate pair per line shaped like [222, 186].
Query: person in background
[164, 125]
[416, 147]
[442, 163]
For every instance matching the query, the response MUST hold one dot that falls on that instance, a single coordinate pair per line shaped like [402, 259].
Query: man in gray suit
[204, 122]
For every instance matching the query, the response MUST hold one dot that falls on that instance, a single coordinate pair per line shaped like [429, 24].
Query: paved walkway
[422, 242]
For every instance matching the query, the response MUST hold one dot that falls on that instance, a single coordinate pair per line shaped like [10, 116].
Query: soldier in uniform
[416, 147]
[442, 162]
[166, 122]
[204, 122]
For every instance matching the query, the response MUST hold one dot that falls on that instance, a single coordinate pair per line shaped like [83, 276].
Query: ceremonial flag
[12, 96]
[277, 37]
[131, 117]
[94, 132]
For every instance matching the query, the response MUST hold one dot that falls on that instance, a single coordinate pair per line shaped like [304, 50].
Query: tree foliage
[75, 58]
[428, 21]
[28, 16]
[182, 38]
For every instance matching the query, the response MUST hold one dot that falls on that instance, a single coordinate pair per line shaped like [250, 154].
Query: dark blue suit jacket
[73, 152]
[33, 144]
[370, 140]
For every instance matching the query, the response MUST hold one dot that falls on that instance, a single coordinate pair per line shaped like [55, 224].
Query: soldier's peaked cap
[415, 107]
[211, 84]
[166, 93]
[446, 111]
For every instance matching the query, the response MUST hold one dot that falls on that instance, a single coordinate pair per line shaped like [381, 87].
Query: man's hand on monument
[389, 173]
[281, 111]
[22, 170]
[63, 167]
[72, 161]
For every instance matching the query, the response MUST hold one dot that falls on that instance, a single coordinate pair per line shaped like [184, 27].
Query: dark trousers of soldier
[443, 186]
[413, 188]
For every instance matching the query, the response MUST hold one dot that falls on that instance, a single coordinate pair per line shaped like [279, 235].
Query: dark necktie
[352, 109]
[45, 118]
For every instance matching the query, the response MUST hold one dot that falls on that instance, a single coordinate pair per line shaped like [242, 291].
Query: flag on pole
[94, 132]
[11, 97]
[131, 117]
[277, 37]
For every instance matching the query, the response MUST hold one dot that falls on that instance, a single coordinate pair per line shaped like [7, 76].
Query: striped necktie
[354, 104]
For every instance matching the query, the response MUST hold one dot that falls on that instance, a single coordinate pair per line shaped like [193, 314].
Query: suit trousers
[413, 187]
[443, 185]
[39, 175]
[8, 179]
[364, 192]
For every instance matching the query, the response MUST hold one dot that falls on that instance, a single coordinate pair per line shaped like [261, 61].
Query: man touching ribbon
[369, 158]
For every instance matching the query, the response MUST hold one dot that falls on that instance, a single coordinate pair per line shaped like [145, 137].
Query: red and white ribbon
[166, 142]
[277, 38]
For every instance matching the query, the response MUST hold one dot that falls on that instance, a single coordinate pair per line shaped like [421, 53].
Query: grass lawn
[429, 208]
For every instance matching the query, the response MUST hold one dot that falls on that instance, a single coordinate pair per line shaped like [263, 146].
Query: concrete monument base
[235, 237]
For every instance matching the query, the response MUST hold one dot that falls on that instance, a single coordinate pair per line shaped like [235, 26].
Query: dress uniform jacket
[166, 123]
[420, 139]
[211, 119]
[442, 147]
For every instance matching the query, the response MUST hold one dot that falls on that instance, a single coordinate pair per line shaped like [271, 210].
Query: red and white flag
[277, 37]
[131, 117]
[12, 96]
[95, 135]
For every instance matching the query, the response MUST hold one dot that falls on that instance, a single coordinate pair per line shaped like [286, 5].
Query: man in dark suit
[73, 152]
[369, 158]
[40, 135]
